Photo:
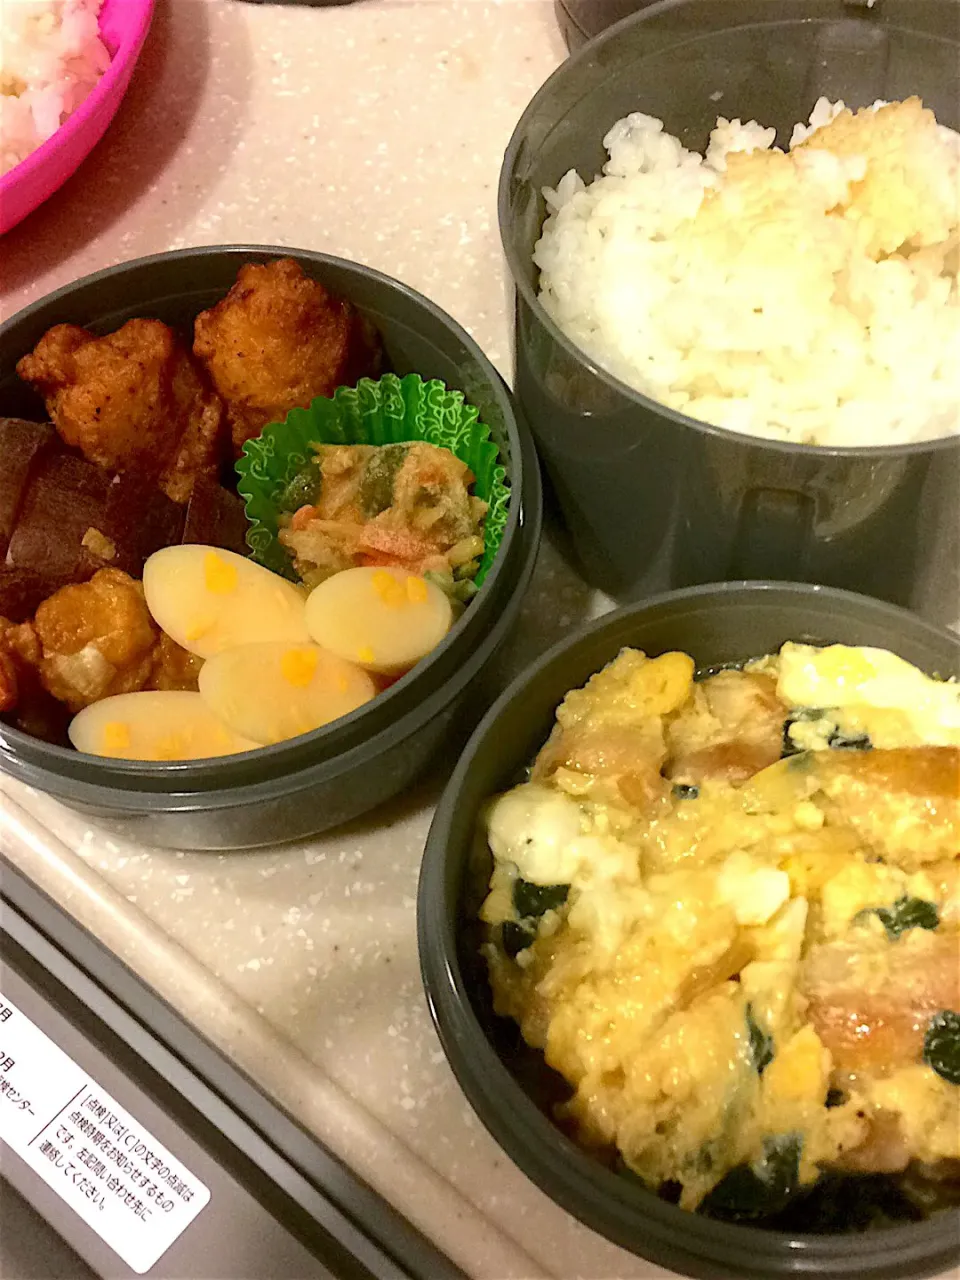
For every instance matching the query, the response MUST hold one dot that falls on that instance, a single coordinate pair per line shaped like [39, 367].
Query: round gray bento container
[309, 784]
[509, 1085]
[654, 499]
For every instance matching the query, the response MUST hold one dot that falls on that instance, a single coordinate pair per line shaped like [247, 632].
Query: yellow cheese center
[172, 747]
[219, 575]
[388, 589]
[298, 666]
[116, 737]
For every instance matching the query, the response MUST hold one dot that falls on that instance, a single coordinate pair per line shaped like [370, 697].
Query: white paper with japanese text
[92, 1152]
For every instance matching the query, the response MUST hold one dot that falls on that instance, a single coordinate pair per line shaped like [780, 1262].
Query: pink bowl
[124, 25]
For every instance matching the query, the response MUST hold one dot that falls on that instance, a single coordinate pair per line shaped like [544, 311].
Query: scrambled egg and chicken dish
[727, 910]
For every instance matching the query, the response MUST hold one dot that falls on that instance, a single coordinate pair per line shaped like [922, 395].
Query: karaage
[24, 702]
[131, 401]
[278, 340]
[97, 639]
[19, 653]
[173, 667]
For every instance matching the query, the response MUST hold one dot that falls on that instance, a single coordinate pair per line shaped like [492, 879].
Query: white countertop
[374, 131]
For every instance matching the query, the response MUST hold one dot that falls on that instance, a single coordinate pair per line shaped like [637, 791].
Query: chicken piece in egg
[609, 737]
[732, 729]
[904, 804]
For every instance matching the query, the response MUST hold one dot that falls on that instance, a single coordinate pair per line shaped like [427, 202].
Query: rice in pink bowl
[51, 58]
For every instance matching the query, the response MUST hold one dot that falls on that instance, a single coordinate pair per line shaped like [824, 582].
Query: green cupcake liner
[391, 411]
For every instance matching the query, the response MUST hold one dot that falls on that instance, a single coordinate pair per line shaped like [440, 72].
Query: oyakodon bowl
[308, 784]
[508, 1084]
[655, 499]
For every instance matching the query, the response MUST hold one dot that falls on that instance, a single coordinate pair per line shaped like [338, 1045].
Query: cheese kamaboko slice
[209, 600]
[274, 691]
[386, 620]
[162, 725]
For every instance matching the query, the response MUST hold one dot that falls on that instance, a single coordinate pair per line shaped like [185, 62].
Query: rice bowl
[51, 58]
[765, 291]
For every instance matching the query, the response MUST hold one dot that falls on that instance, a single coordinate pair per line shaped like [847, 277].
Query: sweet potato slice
[216, 518]
[22, 592]
[22, 445]
[65, 499]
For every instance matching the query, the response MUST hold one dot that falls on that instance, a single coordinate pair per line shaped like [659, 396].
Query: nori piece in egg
[515, 938]
[941, 1045]
[762, 1047]
[750, 1193]
[685, 791]
[532, 900]
[906, 913]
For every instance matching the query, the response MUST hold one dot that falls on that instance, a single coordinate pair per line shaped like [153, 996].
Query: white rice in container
[808, 326]
[51, 57]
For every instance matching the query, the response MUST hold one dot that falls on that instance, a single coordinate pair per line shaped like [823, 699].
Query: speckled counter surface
[374, 131]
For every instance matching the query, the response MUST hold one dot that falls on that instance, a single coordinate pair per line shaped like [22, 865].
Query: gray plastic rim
[628, 1215]
[140, 788]
[518, 269]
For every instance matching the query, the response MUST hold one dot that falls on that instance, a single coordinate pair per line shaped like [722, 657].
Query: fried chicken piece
[19, 653]
[131, 401]
[278, 340]
[24, 702]
[9, 683]
[173, 667]
[97, 639]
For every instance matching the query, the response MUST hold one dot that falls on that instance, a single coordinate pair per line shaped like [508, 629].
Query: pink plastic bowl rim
[123, 26]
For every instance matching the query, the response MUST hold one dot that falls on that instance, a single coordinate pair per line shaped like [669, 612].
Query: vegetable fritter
[97, 639]
[402, 505]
